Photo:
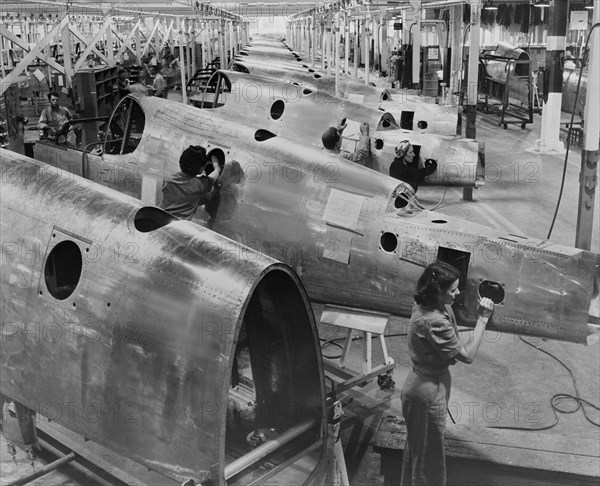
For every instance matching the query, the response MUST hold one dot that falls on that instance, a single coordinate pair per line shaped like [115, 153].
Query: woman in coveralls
[433, 345]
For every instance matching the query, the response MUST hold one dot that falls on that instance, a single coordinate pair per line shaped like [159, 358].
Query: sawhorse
[369, 324]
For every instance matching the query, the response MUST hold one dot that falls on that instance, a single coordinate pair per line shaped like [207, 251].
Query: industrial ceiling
[188, 8]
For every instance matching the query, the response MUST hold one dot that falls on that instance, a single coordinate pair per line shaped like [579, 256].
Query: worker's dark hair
[51, 94]
[193, 159]
[435, 280]
[330, 138]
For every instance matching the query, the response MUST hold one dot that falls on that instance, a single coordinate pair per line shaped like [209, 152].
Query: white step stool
[368, 323]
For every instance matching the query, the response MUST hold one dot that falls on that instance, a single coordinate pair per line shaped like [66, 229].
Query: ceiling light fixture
[589, 4]
[542, 3]
[490, 6]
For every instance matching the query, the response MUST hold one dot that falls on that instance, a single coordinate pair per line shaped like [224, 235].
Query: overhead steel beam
[188, 8]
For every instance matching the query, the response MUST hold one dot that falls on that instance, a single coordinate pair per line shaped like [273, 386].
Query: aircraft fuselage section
[352, 234]
[125, 325]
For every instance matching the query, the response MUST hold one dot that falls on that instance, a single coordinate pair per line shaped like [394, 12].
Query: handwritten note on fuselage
[343, 209]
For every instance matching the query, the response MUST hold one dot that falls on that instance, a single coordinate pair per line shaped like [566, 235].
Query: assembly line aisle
[510, 383]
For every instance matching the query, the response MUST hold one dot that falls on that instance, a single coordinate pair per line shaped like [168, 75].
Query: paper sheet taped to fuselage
[343, 209]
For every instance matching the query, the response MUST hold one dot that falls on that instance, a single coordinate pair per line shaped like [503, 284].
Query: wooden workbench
[481, 455]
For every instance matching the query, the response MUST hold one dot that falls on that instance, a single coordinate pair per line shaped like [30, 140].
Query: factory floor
[510, 383]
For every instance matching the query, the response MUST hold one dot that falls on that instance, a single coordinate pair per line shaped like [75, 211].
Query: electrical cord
[331, 342]
[557, 402]
[558, 399]
[415, 205]
[440, 201]
[462, 67]
[564, 175]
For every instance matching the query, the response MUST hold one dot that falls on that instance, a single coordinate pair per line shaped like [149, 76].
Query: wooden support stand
[369, 324]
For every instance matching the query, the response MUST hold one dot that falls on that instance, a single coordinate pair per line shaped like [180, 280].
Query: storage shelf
[96, 94]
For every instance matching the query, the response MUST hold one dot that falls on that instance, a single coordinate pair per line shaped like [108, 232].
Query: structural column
[138, 41]
[193, 47]
[110, 55]
[222, 53]
[231, 41]
[65, 37]
[308, 33]
[472, 78]
[309, 39]
[186, 52]
[336, 33]
[225, 38]
[217, 43]
[367, 47]
[356, 49]
[314, 43]
[456, 46]
[346, 42]
[2, 56]
[375, 31]
[182, 66]
[555, 51]
[227, 41]
[322, 41]
[210, 32]
[330, 48]
[204, 42]
[588, 181]
[472, 74]
[416, 42]
[325, 51]
[384, 53]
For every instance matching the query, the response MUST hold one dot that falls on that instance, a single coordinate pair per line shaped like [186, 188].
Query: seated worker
[332, 141]
[53, 121]
[184, 191]
[405, 166]
[123, 83]
[159, 84]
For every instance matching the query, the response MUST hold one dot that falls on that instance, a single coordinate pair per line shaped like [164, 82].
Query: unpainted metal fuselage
[569, 103]
[441, 120]
[303, 114]
[349, 231]
[126, 325]
[570, 80]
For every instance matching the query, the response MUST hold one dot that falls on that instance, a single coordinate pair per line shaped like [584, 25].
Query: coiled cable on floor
[559, 399]
[331, 342]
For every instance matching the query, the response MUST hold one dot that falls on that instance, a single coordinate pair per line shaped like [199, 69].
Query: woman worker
[433, 345]
[405, 166]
